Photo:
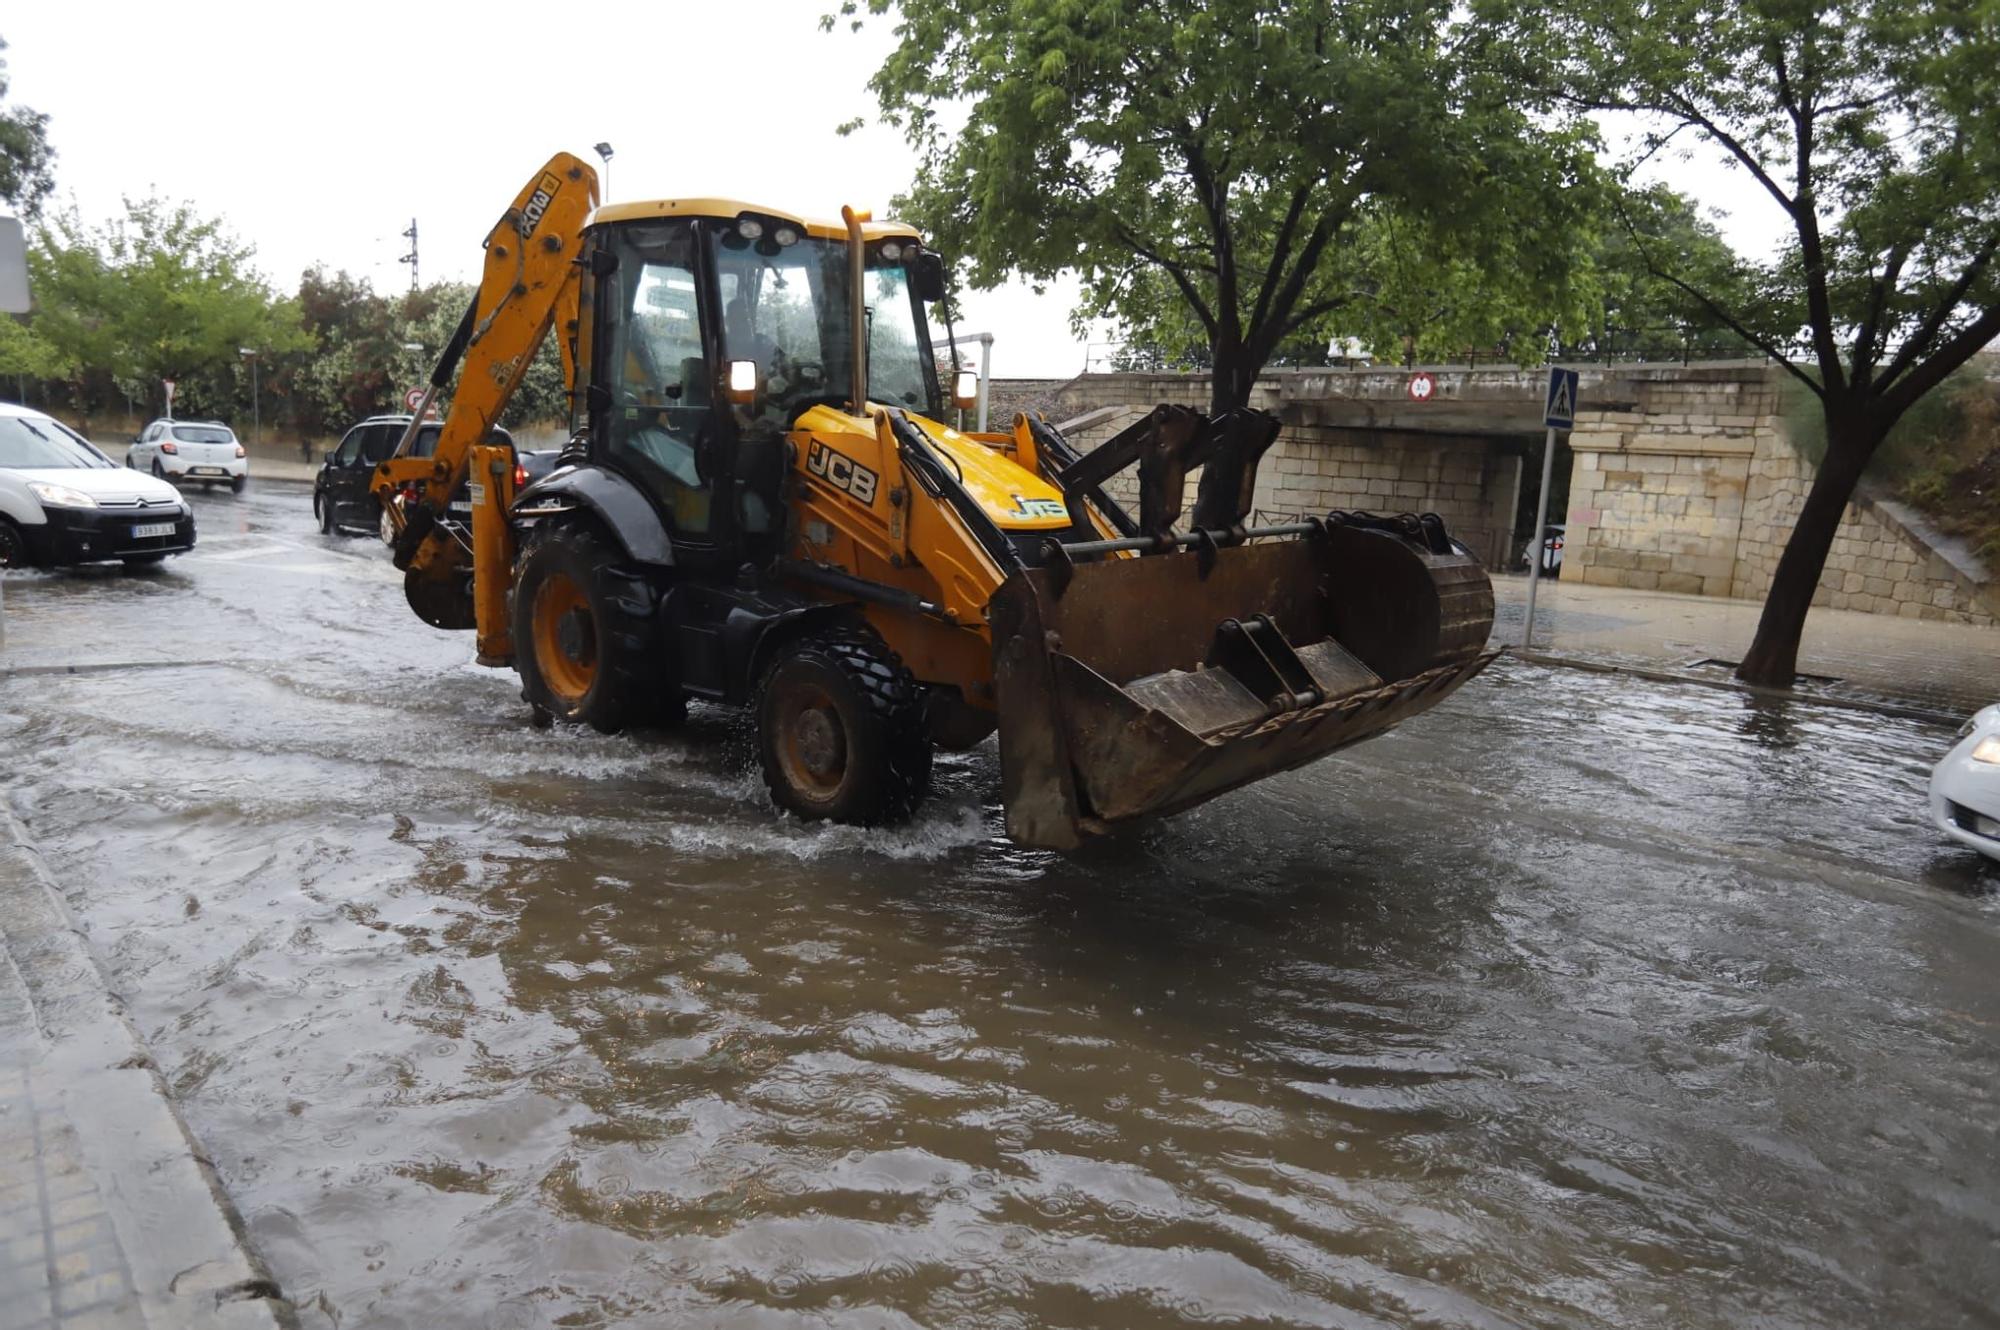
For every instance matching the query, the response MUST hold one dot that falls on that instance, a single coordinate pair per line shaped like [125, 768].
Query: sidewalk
[1939, 666]
[109, 1216]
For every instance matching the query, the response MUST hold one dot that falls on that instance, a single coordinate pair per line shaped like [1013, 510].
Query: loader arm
[530, 284]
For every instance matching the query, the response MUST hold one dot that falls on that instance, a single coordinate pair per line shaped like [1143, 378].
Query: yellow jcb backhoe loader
[761, 505]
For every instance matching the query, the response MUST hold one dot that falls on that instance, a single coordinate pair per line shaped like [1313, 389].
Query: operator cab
[714, 328]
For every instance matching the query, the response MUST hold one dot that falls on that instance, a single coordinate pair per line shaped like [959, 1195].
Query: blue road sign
[1559, 411]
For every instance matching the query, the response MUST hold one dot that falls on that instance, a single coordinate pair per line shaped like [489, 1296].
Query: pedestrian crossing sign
[1559, 411]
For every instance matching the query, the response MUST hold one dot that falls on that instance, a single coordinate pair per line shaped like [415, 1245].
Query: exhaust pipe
[857, 274]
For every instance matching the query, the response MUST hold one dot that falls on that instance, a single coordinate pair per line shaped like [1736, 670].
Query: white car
[1965, 788]
[64, 502]
[1552, 550]
[195, 450]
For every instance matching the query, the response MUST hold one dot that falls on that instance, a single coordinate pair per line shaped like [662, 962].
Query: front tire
[13, 546]
[324, 507]
[841, 731]
[586, 636]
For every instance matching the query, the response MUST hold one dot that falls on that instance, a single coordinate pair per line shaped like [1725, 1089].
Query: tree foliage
[26, 159]
[372, 348]
[1212, 165]
[157, 293]
[1868, 125]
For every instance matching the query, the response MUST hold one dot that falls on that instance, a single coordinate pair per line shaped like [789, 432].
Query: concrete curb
[1902, 710]
[182, 1240]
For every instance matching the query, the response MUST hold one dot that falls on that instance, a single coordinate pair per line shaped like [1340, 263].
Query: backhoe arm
[530, 284]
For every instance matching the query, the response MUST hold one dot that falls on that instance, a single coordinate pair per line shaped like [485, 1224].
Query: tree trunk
[1773, 657]
[1230, 382]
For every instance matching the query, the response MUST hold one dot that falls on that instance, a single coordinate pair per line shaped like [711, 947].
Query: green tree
[1206, 163]
[1870, 126]
[26, 159]
[541, 396]
[159, 293]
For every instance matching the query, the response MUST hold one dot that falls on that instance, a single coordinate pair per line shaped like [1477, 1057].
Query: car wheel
[159, 471]
[236, 485]
[324, 511]
[13, 546]
[387, 529]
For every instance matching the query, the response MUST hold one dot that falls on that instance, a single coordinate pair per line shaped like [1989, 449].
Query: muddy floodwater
[1581, 1001]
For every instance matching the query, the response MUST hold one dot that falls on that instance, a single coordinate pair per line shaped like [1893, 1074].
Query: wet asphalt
[1579, 1001]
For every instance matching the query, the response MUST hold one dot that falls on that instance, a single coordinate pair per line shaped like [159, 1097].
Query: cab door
[653, 375]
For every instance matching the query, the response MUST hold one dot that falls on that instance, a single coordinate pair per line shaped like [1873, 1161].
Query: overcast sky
[319, 132]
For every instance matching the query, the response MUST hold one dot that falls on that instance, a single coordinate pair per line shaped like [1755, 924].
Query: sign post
[170, 397]
[1558, 413]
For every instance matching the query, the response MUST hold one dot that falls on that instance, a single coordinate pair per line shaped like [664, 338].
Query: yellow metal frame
[530, 284]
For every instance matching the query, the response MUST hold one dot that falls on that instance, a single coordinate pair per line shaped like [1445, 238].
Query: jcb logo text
[842, 472]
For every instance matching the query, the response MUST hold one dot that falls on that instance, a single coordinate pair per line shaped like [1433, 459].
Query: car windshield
[787, 309]
[29, 442]
[203, 434]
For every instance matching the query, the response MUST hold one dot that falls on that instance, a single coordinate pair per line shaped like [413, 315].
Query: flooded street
[1579, 1001]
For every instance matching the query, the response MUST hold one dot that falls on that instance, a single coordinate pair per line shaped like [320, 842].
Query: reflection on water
[1578, 1002]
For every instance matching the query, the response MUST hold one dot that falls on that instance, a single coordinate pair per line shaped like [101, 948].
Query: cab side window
[350, 447]
[659, 378]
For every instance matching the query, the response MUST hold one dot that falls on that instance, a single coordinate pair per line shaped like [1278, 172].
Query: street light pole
[604, 150]
[256, 407]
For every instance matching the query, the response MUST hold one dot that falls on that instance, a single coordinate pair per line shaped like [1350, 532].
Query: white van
[64, 502]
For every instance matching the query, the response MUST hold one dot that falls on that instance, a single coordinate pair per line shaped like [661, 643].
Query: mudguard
[621, 505]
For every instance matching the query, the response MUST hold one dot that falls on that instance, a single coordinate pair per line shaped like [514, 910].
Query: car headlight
[62, 496]
[1987, 750]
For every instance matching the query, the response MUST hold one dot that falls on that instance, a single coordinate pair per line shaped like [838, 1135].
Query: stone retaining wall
[1878, 563]
[1694, 487]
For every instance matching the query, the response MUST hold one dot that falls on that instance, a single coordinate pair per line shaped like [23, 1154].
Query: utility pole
[1558, 413]
[411, 257]
[249, 353]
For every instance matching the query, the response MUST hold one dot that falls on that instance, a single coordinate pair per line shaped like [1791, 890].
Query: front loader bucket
[1138, 686]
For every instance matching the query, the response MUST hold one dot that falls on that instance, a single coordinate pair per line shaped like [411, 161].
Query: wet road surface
[1580, 1001]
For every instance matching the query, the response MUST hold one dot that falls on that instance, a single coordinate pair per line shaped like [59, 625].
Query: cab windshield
[787, 309]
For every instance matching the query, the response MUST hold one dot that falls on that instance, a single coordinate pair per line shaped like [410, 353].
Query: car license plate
[152, 529]
[209, 470]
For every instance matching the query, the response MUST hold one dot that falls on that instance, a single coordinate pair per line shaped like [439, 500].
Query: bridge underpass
[1676, 478]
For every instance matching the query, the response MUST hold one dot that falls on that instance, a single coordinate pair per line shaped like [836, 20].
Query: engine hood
[115, 486]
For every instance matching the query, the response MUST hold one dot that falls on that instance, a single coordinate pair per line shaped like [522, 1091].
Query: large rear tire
[841, 730]
[587, 642]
